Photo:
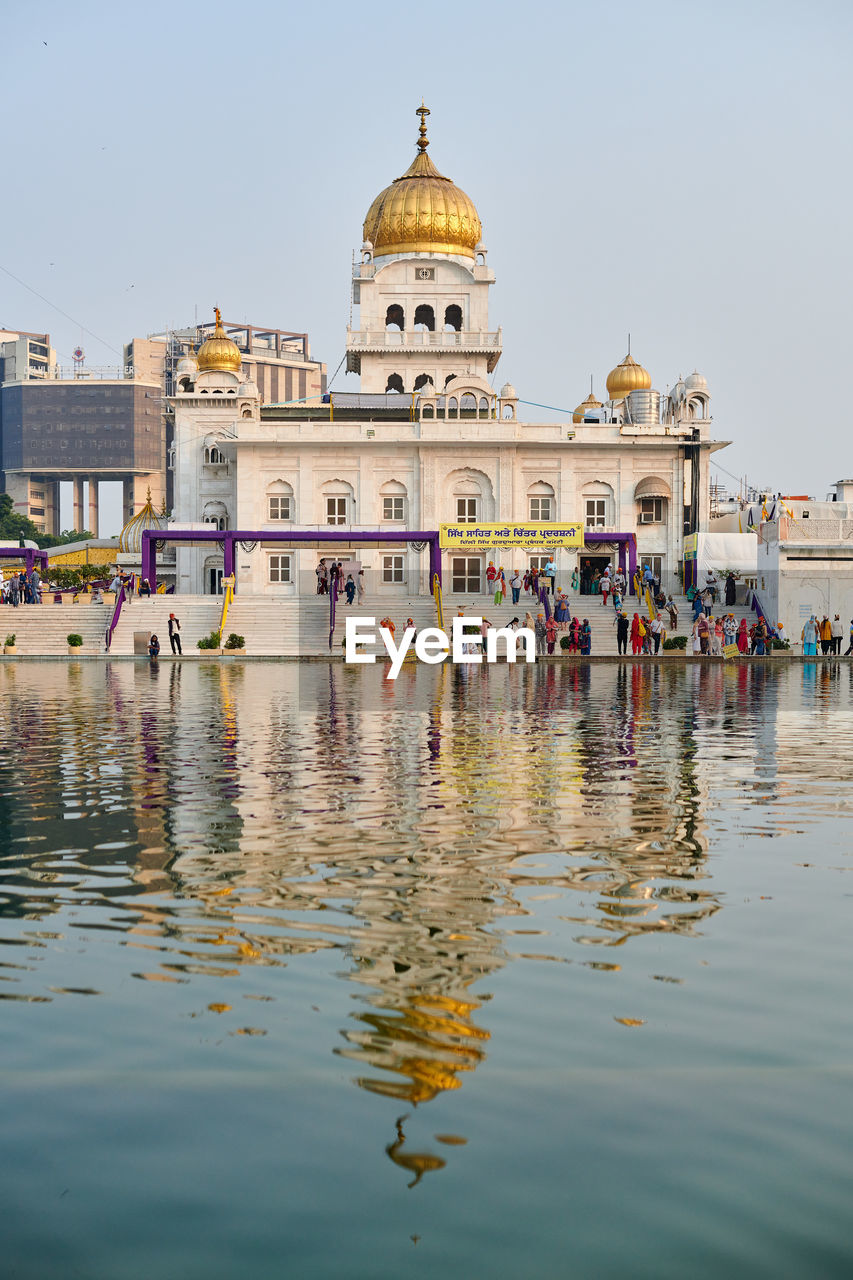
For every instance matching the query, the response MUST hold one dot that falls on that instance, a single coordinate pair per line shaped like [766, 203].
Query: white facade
[455, 451]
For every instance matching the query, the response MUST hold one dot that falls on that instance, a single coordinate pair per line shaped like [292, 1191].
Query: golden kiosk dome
[590, 405]
[219, 352]
[130, 538]
[422, 211]
[628, 376]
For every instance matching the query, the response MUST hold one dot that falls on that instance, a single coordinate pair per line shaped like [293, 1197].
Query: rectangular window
[336, 511]
[466, 572]
[596, 513]
[392, 509]
[651, 510]
[279, 507]
[541, 509]
[280, 569]
[466, 510]
[392, 569]
[538, 562]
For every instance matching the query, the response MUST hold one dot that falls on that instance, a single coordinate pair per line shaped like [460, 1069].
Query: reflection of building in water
[289, 809]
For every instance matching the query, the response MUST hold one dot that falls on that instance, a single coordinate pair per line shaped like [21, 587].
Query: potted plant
[211, 642]
[675, 642]
[10, 646]
[235, 644]
[75, 643]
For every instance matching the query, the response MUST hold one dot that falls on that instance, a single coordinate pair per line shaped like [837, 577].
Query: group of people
[829, 635]
[20, 588]
[645, 633]
[331, 575]
[531, 581]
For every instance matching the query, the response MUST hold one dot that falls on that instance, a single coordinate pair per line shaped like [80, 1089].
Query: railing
[120, 599]
[436, 591]
[333, 600]
[227, 597]
[385, 339]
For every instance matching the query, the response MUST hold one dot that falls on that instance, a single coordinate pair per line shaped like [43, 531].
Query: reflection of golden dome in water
[422, 211]
[628, 376]
[219, 352]
[130, 538]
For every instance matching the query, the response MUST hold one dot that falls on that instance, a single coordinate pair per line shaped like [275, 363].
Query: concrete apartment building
[87, 425]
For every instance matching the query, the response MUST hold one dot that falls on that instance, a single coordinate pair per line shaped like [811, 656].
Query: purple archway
[293, 537]
[29, 555]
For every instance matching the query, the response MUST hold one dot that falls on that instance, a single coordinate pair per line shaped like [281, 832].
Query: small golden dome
[422, 211]
[628, 376]
[219, 352]
[589, 405]
[130, 538]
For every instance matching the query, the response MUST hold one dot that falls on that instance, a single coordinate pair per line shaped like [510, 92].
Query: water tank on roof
[644, 407]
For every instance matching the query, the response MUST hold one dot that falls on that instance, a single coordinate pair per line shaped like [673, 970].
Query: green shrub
[675, 642]
[74, 640]
[10, 639]
[235, 642]
[776, 643]
[565, 642]
[210, 642]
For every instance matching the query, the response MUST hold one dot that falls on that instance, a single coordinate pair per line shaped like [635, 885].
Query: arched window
[280, 501]
[394, 318]
[484, 406]
[468, 496]
[469, 403]
[424, 317]
[393, 495]
[453, 317]
[449, 378]
[453, 407]
[394, 383]
[541, 503]
[216, 515]
[185, 384]
[338, 502]
[213, 457]
[597, 504]
[428, 411]
[423, 380]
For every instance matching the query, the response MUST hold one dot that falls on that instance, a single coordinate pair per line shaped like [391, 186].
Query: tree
[15, 526]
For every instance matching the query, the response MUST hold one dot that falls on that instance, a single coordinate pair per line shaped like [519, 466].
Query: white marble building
[429, 440]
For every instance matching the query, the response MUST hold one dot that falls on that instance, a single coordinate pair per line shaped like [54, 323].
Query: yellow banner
[478, 537]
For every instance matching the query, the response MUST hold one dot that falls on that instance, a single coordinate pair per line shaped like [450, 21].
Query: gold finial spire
[423, 140]
[148, 496]
[218, 315]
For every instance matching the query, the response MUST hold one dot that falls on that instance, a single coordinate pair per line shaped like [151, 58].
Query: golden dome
[628, 376]
[422, 211]
[588, 406]
[130, 538]
[219, 352]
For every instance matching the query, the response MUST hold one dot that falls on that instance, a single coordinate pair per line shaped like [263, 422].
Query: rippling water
[512, 973]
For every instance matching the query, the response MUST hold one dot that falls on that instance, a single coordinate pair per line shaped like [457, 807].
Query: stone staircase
[282, 628]
[198, 616]
[41, 630]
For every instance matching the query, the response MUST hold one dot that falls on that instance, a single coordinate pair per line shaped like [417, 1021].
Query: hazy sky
[680, 170]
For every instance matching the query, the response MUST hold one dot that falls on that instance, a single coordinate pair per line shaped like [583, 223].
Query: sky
[680, 171]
